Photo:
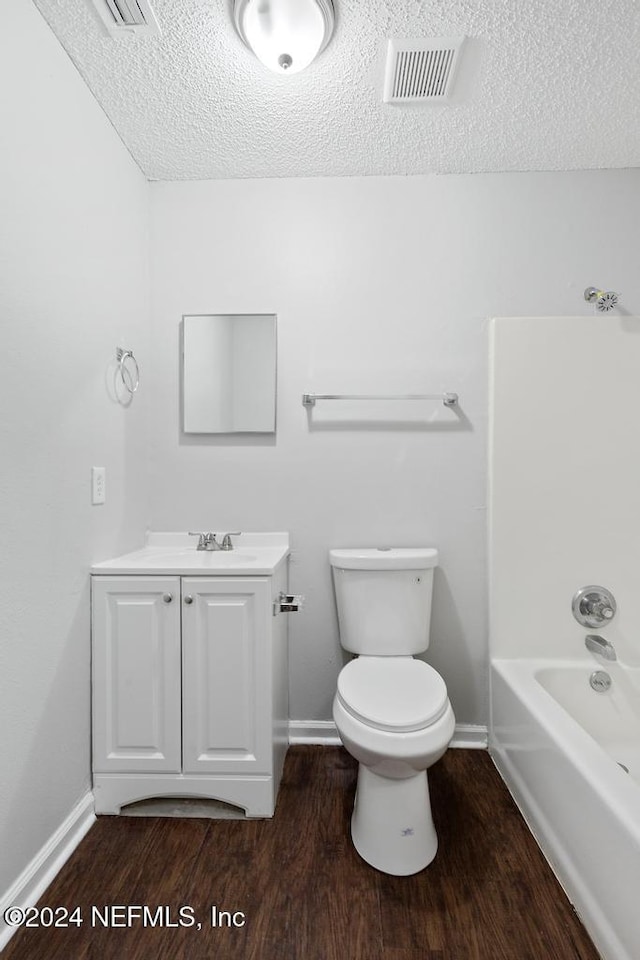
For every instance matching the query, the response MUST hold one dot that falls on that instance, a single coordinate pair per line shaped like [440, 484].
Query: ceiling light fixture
[286, 35]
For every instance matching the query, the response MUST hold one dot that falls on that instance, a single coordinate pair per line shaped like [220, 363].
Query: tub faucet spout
[600, 646]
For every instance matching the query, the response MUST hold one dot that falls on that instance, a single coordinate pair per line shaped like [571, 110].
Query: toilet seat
[397, 694]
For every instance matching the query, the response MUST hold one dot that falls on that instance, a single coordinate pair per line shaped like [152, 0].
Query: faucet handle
[600, 608]
[203, 539]
[226, 540]
[593, 606]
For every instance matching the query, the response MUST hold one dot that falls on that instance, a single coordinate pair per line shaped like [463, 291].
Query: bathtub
[561, 747]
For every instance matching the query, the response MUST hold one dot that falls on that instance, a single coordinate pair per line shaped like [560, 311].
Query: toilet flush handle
[287, 603]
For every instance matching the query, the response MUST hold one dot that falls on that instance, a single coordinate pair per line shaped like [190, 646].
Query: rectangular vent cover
[419, 70]
[127, 16]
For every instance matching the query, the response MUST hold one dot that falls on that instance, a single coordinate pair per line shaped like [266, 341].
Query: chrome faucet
[600, 646]
[206, 541]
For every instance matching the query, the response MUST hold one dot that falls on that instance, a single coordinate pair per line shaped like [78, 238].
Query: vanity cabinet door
[226, 665]
[136, 674]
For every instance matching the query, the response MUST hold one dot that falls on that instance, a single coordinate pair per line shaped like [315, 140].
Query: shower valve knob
[593, 606]
[601, 610]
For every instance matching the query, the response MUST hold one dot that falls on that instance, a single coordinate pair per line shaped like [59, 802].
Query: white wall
[565, 487]
[73, 286]
[380, 284]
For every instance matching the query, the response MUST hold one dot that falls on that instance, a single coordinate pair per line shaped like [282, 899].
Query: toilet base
[392, 827]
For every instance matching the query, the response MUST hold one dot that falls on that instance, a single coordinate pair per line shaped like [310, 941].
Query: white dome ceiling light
[286, 35]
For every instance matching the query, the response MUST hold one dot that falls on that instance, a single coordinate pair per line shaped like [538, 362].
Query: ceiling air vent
[419, 70]
[127, 16]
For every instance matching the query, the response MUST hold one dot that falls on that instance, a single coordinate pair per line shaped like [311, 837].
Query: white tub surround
[581, 806]
[565, 516]
[564, 475]
[190, 672]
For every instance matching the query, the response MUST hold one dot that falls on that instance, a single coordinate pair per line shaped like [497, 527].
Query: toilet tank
[383, 597]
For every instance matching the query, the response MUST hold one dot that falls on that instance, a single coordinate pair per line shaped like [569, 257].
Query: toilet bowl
[392, 711]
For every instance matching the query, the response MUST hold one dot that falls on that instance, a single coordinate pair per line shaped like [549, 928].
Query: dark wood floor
[306, 894]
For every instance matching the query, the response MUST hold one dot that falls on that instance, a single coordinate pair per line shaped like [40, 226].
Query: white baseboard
[38, 874]
[467, 735]
[470, 736]
[314, 731]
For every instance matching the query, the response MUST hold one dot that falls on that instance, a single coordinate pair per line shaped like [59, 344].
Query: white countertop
[175, 554]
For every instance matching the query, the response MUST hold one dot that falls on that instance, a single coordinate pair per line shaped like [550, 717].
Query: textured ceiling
[543, 85]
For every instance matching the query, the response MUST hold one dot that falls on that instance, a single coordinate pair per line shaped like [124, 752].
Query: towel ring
[130, 381]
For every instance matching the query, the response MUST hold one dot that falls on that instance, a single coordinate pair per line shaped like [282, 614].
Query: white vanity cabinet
[190, 688]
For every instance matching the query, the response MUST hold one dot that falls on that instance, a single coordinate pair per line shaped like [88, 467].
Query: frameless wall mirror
[229, 373]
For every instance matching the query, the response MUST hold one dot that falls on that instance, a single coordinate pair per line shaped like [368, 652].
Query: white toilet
[392, 712]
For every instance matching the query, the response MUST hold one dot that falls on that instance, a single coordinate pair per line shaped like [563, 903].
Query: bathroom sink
[176, 554]
[199, 558]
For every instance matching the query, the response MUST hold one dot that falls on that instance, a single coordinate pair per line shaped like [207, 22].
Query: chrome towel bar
[449, 399]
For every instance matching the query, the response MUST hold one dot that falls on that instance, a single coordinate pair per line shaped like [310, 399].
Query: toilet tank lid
[384, 558]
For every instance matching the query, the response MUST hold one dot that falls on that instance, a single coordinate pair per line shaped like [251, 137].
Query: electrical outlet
[98, 485]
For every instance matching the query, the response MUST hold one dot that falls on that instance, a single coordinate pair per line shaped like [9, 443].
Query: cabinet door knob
[188, 598]
[167, 597]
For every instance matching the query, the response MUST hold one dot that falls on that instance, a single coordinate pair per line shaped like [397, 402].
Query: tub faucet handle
[593, 606]
[600, 608]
